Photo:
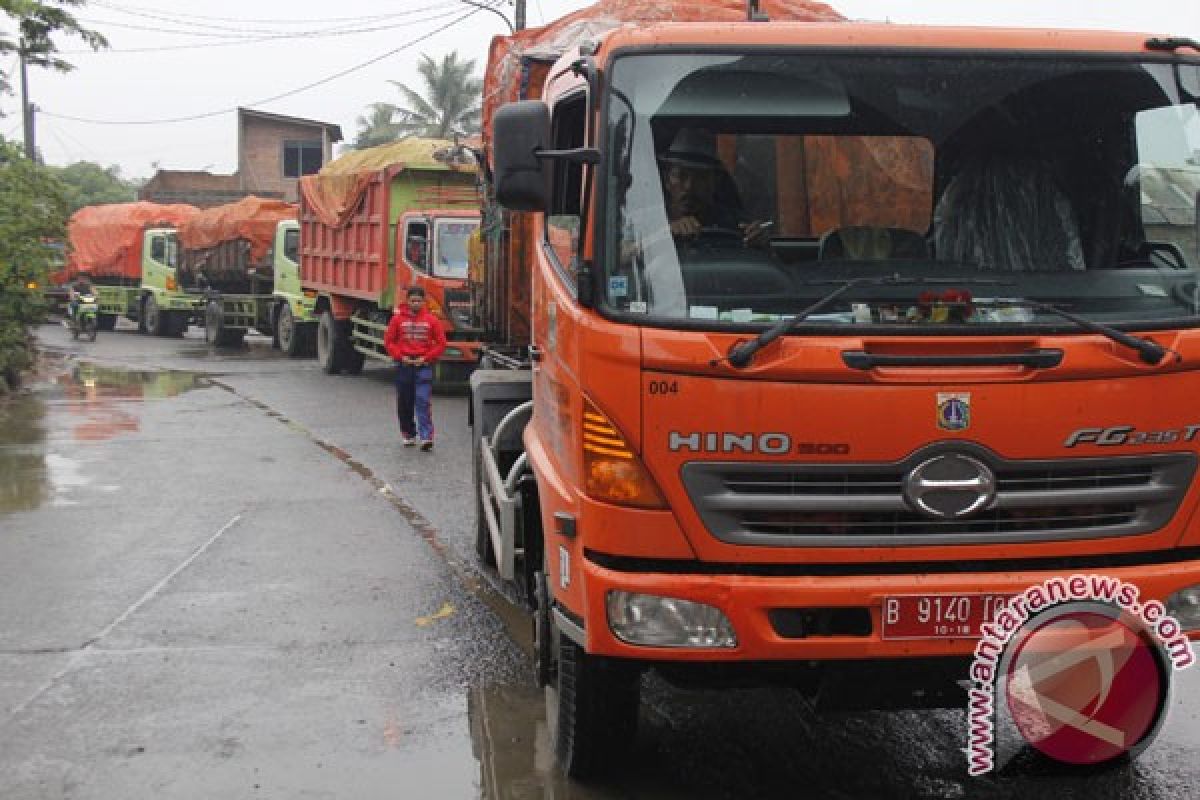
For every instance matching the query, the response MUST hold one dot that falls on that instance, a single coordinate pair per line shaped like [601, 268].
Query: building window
[301, 158]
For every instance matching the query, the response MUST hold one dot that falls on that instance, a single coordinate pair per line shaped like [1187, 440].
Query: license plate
[939, 616]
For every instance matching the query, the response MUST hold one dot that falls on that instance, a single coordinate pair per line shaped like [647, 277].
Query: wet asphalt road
[220, 576]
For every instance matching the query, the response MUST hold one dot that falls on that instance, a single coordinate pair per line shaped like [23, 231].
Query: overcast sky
[173, 59]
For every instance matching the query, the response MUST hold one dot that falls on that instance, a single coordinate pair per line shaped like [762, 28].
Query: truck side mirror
[519, 131]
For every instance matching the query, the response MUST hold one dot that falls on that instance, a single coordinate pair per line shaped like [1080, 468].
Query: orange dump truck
[959, 361]
[130, 250]
[377, 221]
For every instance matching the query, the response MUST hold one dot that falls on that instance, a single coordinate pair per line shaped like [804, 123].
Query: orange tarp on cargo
[104, 240]
[333, 193]
[251, 218]
[503, 77]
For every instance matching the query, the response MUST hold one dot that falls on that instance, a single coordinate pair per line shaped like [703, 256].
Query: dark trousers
[414, 400]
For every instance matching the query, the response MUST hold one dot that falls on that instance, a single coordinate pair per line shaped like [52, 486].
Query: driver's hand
[757, 234]
[686, 227]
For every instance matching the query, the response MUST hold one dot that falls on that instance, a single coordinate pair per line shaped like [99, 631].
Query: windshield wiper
[1149, 351]
[742, 353]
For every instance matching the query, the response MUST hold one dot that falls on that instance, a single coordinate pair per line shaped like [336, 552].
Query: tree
[451, 103]
[378, 126]
[37, 22]
[89, 184]
[33, 214]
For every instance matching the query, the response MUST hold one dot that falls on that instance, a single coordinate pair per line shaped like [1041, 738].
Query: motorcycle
[83, 321]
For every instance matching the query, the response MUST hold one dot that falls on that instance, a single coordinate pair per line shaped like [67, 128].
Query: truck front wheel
[156, 323]
[594, 710]
[289, 336]
[330, 350]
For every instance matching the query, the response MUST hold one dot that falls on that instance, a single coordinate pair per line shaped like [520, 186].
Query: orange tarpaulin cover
[104, 239]
[332, 194]
[251, 218]
[503, 77]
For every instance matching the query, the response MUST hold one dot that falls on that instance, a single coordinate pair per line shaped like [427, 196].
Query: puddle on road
[89, 403]
[511, 740]
[23, 479]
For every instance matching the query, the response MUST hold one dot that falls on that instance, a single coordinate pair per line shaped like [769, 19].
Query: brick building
[273, 152]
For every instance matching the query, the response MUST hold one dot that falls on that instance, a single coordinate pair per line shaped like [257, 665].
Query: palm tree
[378, 126]
[451, 103]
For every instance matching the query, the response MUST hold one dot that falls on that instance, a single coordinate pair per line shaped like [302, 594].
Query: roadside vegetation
[33, 201]
[33, 216]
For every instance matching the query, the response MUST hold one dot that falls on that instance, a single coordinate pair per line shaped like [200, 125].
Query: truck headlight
[1184, 606]
[654, 621]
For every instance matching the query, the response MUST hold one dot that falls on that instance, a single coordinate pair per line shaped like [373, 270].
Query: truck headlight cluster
[654, 621]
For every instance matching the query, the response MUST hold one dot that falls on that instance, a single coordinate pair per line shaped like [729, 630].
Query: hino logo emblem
[950, 486]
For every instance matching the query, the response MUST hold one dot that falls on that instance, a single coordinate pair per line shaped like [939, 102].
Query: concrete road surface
[222, 577]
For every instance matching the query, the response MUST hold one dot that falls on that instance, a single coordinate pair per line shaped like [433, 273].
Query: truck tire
[330, 350]
[106, 322]
[216, 333]
[289, 336]
[594, 706]
[156, 319]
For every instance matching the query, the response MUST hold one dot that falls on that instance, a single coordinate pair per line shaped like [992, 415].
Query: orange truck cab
[434, 246]
[959, 361]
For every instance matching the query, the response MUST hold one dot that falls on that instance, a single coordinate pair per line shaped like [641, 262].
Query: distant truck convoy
[962, 362]
[131, 252]
[240, 261]
[376, 221]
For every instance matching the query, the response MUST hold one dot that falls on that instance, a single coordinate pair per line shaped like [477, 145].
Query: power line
[264, 101]
[234, 42]
[244, 32]
[276, 21]
[183, 19]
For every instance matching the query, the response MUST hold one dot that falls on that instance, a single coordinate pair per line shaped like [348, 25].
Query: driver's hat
[692, 147]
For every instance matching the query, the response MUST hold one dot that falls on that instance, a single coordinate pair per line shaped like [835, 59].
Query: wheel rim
[286, 328]
[323, 344]
[152, 315]
[212, 324]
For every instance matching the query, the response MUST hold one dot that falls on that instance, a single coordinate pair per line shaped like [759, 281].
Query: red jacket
[419, 335]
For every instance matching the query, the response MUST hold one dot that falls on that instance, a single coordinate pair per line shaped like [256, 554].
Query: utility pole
[520, 15]
[27, 107]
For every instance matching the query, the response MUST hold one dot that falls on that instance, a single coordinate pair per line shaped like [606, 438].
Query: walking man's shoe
[409, 441]
[427, 445]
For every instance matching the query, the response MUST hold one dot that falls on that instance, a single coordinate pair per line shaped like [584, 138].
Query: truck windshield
[740, 188]
[450, 249]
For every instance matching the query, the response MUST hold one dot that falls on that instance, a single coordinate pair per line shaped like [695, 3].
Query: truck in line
[961, 364]
[376, 221]
[240, 261]
[130, 251]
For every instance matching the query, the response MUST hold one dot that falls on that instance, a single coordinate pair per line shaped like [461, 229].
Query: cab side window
[567, 129]
[158, 249]
[416, 245]
[291, 245]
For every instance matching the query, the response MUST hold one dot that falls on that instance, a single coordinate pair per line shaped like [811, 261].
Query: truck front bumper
[757, 606]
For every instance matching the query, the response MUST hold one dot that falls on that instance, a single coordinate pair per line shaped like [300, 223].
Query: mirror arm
[578, 155]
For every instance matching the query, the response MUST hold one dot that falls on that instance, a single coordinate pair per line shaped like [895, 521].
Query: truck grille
[856, 505]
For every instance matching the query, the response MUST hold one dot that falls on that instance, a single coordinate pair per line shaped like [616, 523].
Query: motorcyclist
[80, 287]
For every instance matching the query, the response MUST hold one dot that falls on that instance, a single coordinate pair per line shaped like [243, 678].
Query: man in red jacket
[414, 340]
